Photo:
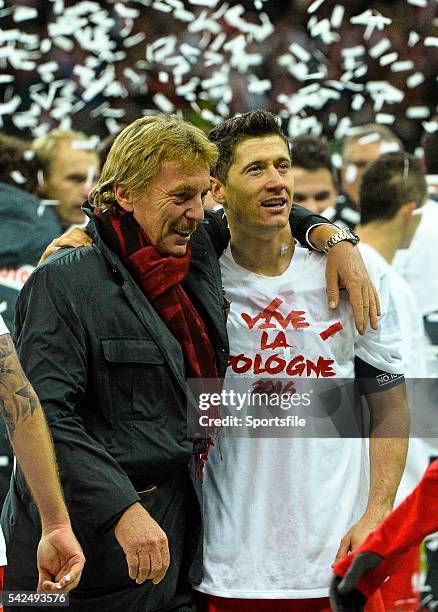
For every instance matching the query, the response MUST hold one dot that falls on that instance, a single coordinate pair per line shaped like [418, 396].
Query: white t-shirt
[413, 339]
[3, 330]
[414, 362]
[417, 265]
[276, 509]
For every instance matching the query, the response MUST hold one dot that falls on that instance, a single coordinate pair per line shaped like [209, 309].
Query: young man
[392, 191]
[365, 144]
[315, 180]
[68, 170]
[278, 512]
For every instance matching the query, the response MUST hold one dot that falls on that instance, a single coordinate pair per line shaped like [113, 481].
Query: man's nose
[196, 209]
[275, 179]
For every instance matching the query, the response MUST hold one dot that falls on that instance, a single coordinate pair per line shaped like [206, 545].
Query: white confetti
[209, 3]
[18, 177]
[163, 103]
[350, 173]
[258, 86]
[413, 38]
[89, 144]
[314, 6]
[385, 118]
[415, 79]
[372, 19]
[6, 78]
[134, 40]
[24, 13]
[417, 112]
[300, 52]
[342, 128]
[402, 66]
[379, 48]
[422, 3]
[357, 102]
[431, 41]
[260, 32]
[430, 126]
[125, 11]
[3, 306]
[9, 108]
[389, 58]
[337, 16]
[99, 85]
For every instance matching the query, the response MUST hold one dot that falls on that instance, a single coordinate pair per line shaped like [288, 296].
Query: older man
[131, 323]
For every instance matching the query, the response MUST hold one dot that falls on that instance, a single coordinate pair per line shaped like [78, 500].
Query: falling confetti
[99, 65]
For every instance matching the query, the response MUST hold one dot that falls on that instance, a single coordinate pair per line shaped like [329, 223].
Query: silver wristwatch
[345, 234]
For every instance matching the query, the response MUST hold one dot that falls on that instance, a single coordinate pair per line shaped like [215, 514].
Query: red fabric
[402, 530]
[161, 280]
[400, 592]
[211, 603]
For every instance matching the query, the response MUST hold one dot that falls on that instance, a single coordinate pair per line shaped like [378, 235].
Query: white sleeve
[382, 348]
[3, 328]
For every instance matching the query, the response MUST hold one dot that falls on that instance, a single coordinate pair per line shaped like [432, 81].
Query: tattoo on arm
[18, 400]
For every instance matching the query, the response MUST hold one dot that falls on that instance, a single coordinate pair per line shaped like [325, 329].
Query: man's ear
[124, 198]
[217, 191]
[407, 211]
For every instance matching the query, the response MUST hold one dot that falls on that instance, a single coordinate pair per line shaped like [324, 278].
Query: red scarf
[161, 279]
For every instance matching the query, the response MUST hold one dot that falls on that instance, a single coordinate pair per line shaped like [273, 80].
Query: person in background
[25, 228]
[392, 189]
[365, 144]
[59, 557]
[316, 183]
[68, 169]
[429, 143]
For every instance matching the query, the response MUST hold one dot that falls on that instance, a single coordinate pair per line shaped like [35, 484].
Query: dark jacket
[26, 228]
[111, 379]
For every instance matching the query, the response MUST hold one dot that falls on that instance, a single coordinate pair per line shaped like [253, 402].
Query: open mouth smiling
[277, 202]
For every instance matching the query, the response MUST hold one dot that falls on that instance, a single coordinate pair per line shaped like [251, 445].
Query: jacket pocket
[138, 378]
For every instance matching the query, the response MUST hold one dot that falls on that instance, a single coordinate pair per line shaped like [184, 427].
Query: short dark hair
[229, 134]
[16, 156]
[389, 182]
[429, 142]
[313, 153]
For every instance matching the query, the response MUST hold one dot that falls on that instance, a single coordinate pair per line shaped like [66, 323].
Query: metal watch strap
[345, 234]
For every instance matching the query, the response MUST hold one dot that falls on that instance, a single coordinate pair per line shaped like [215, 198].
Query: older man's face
[172, 207]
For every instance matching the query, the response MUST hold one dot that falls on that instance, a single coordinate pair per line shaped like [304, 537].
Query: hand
[74, 237]
[144, 544]
[345, 268]
[60, 560]
[360, 531]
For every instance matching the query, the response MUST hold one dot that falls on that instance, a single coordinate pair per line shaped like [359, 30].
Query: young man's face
[171, 208]
[71, 176]
[259, 186]
[357, 157]
[314, 189]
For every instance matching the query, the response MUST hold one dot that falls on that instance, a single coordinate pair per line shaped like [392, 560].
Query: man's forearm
[388, 447]
[30, 437]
